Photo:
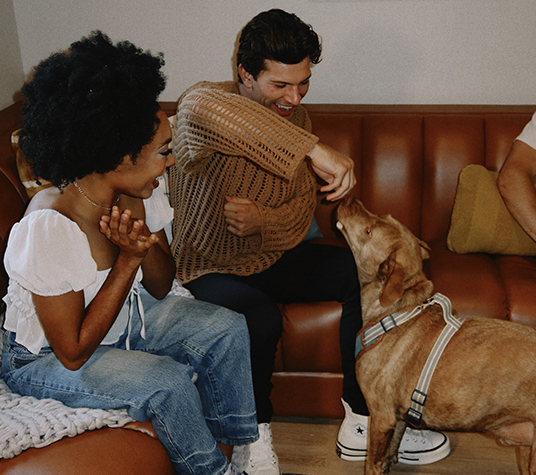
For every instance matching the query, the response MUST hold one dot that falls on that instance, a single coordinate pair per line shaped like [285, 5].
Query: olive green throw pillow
[480, 221]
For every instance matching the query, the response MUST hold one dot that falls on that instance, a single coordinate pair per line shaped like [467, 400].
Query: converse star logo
[360, 430]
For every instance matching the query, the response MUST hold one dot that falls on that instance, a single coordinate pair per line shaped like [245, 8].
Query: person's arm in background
[517, 188]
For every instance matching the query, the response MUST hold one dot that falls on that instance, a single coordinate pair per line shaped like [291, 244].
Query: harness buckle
[419, 397]
[414, 418]
[388, 323]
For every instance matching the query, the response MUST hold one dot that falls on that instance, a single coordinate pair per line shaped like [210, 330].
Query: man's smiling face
[280, 87]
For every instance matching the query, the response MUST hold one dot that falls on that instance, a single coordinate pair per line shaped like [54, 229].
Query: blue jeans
[154, 380]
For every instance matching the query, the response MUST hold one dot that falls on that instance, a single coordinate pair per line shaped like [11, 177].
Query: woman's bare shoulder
[45, 199]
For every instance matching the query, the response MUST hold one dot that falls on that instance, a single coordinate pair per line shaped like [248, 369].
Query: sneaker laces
[416, 436]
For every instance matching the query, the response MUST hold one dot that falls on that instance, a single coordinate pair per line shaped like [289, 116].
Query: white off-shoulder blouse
[48, 254]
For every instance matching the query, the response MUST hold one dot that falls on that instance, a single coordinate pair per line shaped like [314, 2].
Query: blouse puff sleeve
[47, 254]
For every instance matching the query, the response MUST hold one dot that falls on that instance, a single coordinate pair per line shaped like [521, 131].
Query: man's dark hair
[279, 36]
[89, 107]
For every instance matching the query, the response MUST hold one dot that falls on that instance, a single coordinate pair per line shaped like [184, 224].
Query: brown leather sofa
[408, 159]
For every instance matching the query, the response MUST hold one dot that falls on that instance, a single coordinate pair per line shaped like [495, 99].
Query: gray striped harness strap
[369, 335]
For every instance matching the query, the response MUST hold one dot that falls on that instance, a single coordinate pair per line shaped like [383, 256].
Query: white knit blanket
[29, 422]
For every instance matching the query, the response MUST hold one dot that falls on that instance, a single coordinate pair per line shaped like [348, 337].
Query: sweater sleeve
[286, 225]
[210, 120]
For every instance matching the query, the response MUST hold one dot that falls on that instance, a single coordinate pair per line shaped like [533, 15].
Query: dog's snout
[350, 206]
[346, 203]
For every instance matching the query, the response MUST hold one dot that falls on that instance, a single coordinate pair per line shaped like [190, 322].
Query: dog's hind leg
[530, 454]
[523, 436]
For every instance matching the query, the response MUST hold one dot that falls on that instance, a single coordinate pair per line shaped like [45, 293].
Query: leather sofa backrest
[408, 158]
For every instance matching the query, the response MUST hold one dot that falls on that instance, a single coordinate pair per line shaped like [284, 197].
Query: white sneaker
[352, 438]
[259, 457]
[421, 447]
[418, 447]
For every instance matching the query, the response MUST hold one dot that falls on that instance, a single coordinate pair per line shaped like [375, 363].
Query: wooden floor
[307, 447]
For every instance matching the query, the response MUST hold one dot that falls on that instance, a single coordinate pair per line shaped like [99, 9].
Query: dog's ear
[392, 274]
[425, 250]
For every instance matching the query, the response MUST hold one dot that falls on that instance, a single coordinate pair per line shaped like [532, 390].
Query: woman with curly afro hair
[91, 271]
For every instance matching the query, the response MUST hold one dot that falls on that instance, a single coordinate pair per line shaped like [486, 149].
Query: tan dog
[475, 387]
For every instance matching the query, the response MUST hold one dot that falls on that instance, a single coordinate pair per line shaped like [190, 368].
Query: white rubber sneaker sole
[425, 457]
[418, 457]
[349, 454]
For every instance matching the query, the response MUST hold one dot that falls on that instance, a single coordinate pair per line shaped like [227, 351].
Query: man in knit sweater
[244, 193]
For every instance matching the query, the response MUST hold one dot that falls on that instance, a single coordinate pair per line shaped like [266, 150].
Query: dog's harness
[370, 336]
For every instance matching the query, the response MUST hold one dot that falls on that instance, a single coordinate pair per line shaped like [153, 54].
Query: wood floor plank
[307, 447]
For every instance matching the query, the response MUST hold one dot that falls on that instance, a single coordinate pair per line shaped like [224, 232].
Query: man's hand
[242, 216]
[335, 169]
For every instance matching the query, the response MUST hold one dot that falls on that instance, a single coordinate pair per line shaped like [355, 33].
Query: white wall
[11, 74]
[375, 51]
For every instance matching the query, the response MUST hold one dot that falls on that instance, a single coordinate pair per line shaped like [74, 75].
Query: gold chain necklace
[91, 201]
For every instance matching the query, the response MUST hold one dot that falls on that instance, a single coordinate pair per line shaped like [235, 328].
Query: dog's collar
[369, 336]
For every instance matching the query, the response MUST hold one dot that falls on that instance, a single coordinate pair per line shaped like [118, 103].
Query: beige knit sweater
[225, 144]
